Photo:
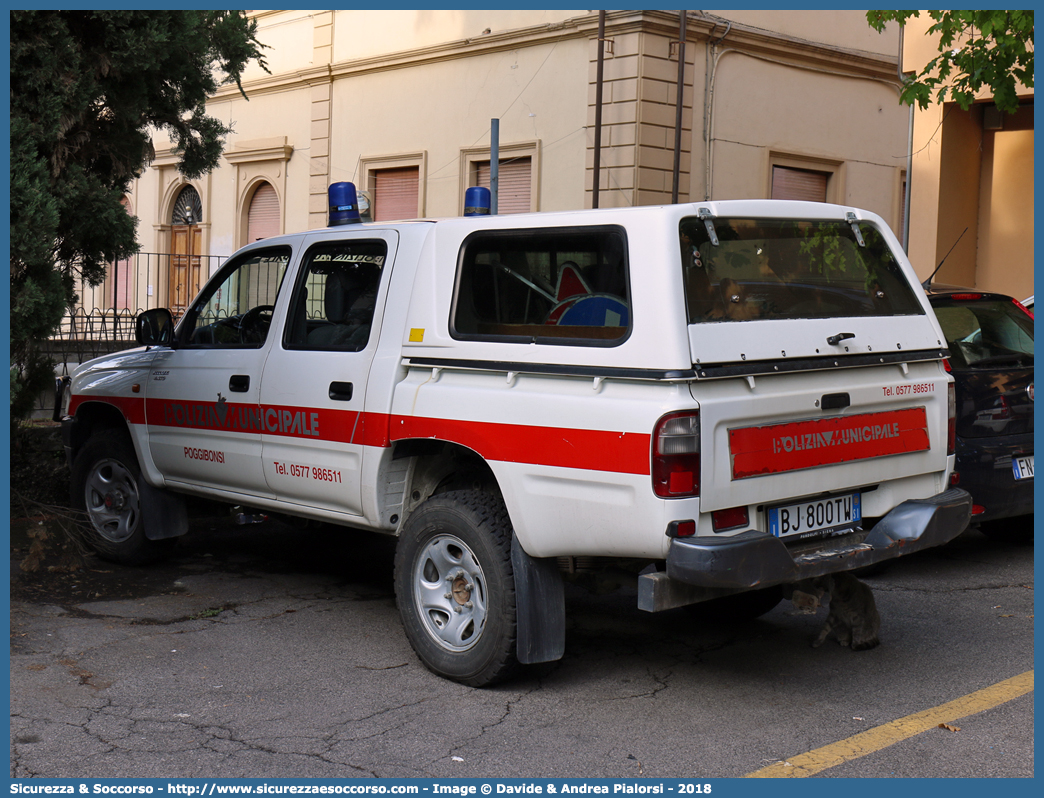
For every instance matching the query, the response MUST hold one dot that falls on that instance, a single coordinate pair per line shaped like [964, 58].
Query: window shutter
[516, 175]
[395, 194]
[263, 217]
[799, 184]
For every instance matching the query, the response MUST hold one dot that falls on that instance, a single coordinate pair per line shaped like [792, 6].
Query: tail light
[951, 425]
[1025, 309]
[676, 456]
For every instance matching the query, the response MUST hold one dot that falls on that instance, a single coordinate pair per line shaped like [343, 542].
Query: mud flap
[166, 514]
[539, 607]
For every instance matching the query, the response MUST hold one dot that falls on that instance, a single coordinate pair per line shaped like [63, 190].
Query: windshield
[789, 269]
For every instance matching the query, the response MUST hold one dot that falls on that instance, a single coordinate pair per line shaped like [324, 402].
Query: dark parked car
[990, 337]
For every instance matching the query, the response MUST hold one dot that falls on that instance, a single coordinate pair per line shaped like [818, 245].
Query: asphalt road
[271, 652]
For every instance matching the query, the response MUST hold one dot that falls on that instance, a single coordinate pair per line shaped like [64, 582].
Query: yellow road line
[804, 765]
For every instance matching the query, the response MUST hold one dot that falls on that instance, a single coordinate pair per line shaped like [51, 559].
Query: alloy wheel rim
[449, 591]
[112, 500]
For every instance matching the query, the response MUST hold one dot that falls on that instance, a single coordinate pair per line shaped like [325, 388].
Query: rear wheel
[105, 486]
[455, 587]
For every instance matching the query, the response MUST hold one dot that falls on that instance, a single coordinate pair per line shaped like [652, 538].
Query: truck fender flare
[539, 607]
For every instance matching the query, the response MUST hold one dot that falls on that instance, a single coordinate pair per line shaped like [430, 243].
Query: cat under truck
[724, 397]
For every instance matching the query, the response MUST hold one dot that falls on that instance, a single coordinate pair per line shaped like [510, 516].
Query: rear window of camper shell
[789, 269]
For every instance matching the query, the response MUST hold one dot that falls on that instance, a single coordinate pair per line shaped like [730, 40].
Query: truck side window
[235, 310]
[336, 295]
[546, 285]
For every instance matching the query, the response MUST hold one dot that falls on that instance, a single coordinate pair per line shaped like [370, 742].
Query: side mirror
[155, 327]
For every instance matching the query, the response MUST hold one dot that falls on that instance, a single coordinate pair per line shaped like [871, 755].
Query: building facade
[788, 104]
[971, 185]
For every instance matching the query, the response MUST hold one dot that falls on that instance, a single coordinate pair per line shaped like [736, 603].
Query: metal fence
[103, 320]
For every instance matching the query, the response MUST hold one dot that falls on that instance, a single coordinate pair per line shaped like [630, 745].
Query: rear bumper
[758, 559]
[984, 465]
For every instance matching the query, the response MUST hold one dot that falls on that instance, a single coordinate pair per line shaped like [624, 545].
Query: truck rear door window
[548, 285]
[786, 269]
[336, 295]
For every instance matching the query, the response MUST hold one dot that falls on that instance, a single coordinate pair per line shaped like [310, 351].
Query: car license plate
[819, 517]
[1022, 466]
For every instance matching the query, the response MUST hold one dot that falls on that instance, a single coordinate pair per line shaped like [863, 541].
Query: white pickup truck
[728, 396]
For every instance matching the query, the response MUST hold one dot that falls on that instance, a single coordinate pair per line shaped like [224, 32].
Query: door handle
[239, 383]
[341, 391]
[834, 340]
[835, 401]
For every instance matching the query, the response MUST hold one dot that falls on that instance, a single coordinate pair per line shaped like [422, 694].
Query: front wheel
[455, 587]
[105, 486]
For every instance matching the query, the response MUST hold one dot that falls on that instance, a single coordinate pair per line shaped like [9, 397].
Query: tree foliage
[87, 90]
[976, 49]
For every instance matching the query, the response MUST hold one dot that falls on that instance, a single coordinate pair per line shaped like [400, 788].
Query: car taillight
[676, 456]
[1024, 309]
[951, 425]
[965, 297]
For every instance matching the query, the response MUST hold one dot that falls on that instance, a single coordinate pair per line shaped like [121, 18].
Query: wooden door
[186, 245]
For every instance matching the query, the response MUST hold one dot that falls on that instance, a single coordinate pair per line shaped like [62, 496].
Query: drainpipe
[682, 24]
[708, 113]
[598, 109]
[909, 154]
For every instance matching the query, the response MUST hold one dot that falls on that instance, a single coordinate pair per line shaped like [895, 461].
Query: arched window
[263, 216]
[188, 209]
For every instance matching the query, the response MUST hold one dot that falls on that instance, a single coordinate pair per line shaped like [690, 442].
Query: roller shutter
[799, 184]
[516, 177]
[395, 193]
[263, 218]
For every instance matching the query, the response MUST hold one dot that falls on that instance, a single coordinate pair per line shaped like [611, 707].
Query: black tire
[455, 587]
[104, 485]
[740, 607]
[1017, 531]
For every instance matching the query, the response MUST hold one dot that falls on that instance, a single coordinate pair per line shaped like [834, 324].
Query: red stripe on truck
[293, 422]
[586, 449]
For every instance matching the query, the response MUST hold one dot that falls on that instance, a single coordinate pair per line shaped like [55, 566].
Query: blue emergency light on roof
[344, 204]
[477, 201]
